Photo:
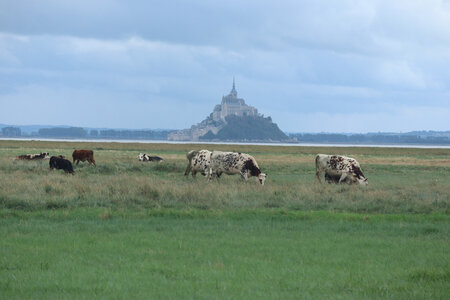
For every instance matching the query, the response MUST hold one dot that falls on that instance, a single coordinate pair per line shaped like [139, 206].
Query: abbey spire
[233, 90]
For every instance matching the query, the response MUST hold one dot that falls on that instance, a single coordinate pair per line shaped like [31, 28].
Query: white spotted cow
[199, 161]
[235, 163]
[145, 157]
[346, 169]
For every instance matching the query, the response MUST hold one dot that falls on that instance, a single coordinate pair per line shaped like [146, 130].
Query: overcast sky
[313, 66]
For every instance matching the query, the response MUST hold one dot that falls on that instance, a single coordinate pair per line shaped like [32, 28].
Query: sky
[313, 66]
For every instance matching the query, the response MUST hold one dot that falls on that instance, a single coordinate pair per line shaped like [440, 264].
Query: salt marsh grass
[128, 229]
[400, 180]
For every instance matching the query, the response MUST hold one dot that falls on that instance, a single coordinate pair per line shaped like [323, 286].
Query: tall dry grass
[401, 180]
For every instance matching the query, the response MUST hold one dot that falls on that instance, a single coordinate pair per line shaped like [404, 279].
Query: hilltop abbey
[230, 105]
[232, 120]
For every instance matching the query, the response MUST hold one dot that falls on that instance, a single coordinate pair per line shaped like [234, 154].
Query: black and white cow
[145, 157]
[198, 161]
[347, 169]
[60, 163]
[235, 163]
[42, 155]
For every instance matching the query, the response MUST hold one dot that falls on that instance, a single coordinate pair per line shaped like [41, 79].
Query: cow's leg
[214, 174]
[244, 176]
[318, 175]
[78, 161]
[93, 161]
[217, 174]
[188, 169]
[343, 177]
[209, 174]
[194, 173]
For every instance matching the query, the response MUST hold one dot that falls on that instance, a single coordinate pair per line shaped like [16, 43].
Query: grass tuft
[430, 275]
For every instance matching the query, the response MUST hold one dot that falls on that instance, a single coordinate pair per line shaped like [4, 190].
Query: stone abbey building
[230, 105]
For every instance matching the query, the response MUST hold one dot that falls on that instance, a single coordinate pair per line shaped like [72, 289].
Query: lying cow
[145, 157]
[235, 163]
[42, 155]
[60, 163]
[347, 169]
[83, 155]
[199, 161]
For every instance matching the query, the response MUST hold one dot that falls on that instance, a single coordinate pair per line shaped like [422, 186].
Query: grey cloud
[294, 60]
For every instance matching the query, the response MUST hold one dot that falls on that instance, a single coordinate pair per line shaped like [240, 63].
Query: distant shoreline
[298, 144]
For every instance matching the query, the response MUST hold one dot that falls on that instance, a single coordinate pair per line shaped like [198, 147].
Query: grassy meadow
[400, 180]
[140, 229]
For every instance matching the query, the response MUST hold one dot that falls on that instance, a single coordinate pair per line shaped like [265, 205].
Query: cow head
[362, 181]
[352, 179]
[262, 178]
[141, 157]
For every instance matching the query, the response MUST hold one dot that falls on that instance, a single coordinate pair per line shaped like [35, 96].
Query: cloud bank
[344, 66]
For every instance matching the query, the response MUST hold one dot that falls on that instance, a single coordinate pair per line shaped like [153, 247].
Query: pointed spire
[233, 90]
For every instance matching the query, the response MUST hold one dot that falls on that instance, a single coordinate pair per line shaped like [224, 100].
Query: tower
[233, 90]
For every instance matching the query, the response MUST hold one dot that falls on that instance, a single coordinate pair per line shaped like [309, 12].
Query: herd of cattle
[335, 168]
[212, 164]
[60, 162]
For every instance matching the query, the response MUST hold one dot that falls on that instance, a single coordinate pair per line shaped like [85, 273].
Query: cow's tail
[317, 161]
[318, 168]
[189, 156]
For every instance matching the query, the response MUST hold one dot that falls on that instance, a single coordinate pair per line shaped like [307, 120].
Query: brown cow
[83, 155]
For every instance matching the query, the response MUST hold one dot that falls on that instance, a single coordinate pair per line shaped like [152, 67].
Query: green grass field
[129, 229]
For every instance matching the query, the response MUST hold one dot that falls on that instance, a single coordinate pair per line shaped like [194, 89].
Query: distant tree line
[369, 138]
[244, 129]
[62, 132]
[11, 131]
[78, 132]
[131, 134]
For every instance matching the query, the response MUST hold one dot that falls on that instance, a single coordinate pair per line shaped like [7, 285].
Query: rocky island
[232, 120]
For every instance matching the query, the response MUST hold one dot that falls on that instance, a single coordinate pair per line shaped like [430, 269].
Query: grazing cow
[199, 161]
[83, 155]
[145, 157]
[42, 155]
[347, 169]
[235, 163]
[58, 162]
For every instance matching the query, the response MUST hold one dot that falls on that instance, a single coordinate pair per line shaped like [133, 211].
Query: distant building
[232, 105]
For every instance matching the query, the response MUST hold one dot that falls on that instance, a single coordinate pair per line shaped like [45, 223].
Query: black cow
[59, 163]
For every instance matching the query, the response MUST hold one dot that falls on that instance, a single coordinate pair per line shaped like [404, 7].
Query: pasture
[130, 228]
